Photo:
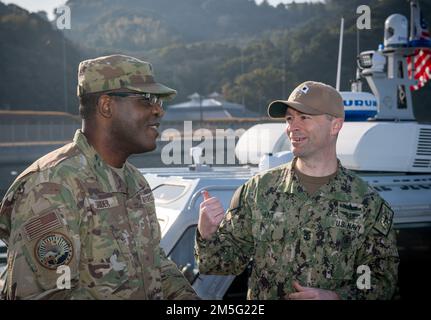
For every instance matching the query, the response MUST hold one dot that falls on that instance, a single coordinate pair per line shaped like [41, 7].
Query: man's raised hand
[210, 215]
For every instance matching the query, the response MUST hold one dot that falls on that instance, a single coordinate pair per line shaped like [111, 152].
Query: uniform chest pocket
[344, 235]
[145, 226]
[270, 241]
[109, 230]
[271, 229]
[108, 256]
[342, 241]
[347, 225]
[143, 219]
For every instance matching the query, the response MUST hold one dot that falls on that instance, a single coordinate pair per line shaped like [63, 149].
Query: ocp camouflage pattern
[318, 240]
[119, 71]
[70, 209]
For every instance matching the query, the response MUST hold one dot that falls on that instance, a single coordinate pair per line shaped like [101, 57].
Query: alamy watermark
[63, 20]
[364, 20]
[181, 143]
[217, 146]
[364, 280]
[63, 280]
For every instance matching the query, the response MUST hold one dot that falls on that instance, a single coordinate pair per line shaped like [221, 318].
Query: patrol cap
[310, 97]
[119, 72]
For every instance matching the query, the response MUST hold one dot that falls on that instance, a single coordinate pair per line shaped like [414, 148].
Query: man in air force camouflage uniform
[312, 228]
[83, 210]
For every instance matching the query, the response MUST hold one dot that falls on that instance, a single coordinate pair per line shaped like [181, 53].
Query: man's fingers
[214, 206]
[218, 214]
[210, 201]
[216, 217]
[206, 195]
[212, 211]
[303, 295]
[298, 287]
[212, 215]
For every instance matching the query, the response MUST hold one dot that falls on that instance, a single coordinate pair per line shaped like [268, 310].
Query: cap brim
[277, 109]
[155, 88]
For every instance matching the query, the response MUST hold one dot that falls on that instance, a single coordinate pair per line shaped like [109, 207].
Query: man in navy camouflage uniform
[312, 228]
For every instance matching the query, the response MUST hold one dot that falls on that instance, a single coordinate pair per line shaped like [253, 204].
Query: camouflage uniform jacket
[69, 209]
[318, 240]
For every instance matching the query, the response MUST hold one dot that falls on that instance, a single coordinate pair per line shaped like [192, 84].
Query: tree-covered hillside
[38, 66]
[251, 53]
[137, 25]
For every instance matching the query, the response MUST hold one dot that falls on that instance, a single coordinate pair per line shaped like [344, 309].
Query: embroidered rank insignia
[384, 219]
[53, 250]
[350, 210]
[146, 196]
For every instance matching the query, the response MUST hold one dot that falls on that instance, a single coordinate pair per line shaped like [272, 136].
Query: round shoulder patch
[53, 250]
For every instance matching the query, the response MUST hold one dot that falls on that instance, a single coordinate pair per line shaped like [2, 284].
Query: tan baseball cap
[310, 97]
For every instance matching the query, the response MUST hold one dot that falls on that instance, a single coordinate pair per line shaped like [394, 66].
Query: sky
[49, 5]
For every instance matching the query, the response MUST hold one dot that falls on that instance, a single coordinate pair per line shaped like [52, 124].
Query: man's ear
[104, 106]
[337, 124]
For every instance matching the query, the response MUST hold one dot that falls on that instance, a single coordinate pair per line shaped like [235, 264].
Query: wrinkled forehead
[293, 112]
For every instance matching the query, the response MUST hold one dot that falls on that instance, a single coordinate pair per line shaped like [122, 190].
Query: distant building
[207, 108]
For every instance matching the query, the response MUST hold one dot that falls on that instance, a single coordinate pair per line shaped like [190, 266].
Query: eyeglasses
[149, 98]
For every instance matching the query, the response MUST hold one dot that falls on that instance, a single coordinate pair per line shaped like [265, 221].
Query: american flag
[419, 64]
[419, 67]
[424, 33]
[419, 27]
[41, 225]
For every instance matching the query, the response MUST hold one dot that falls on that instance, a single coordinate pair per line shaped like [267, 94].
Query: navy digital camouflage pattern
[318, 240]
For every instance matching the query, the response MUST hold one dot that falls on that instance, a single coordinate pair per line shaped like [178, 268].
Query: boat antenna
[340, 52]
[356, 85]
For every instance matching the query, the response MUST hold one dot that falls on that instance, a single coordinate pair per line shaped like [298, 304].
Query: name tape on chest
[106, 203]
[348, 225]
